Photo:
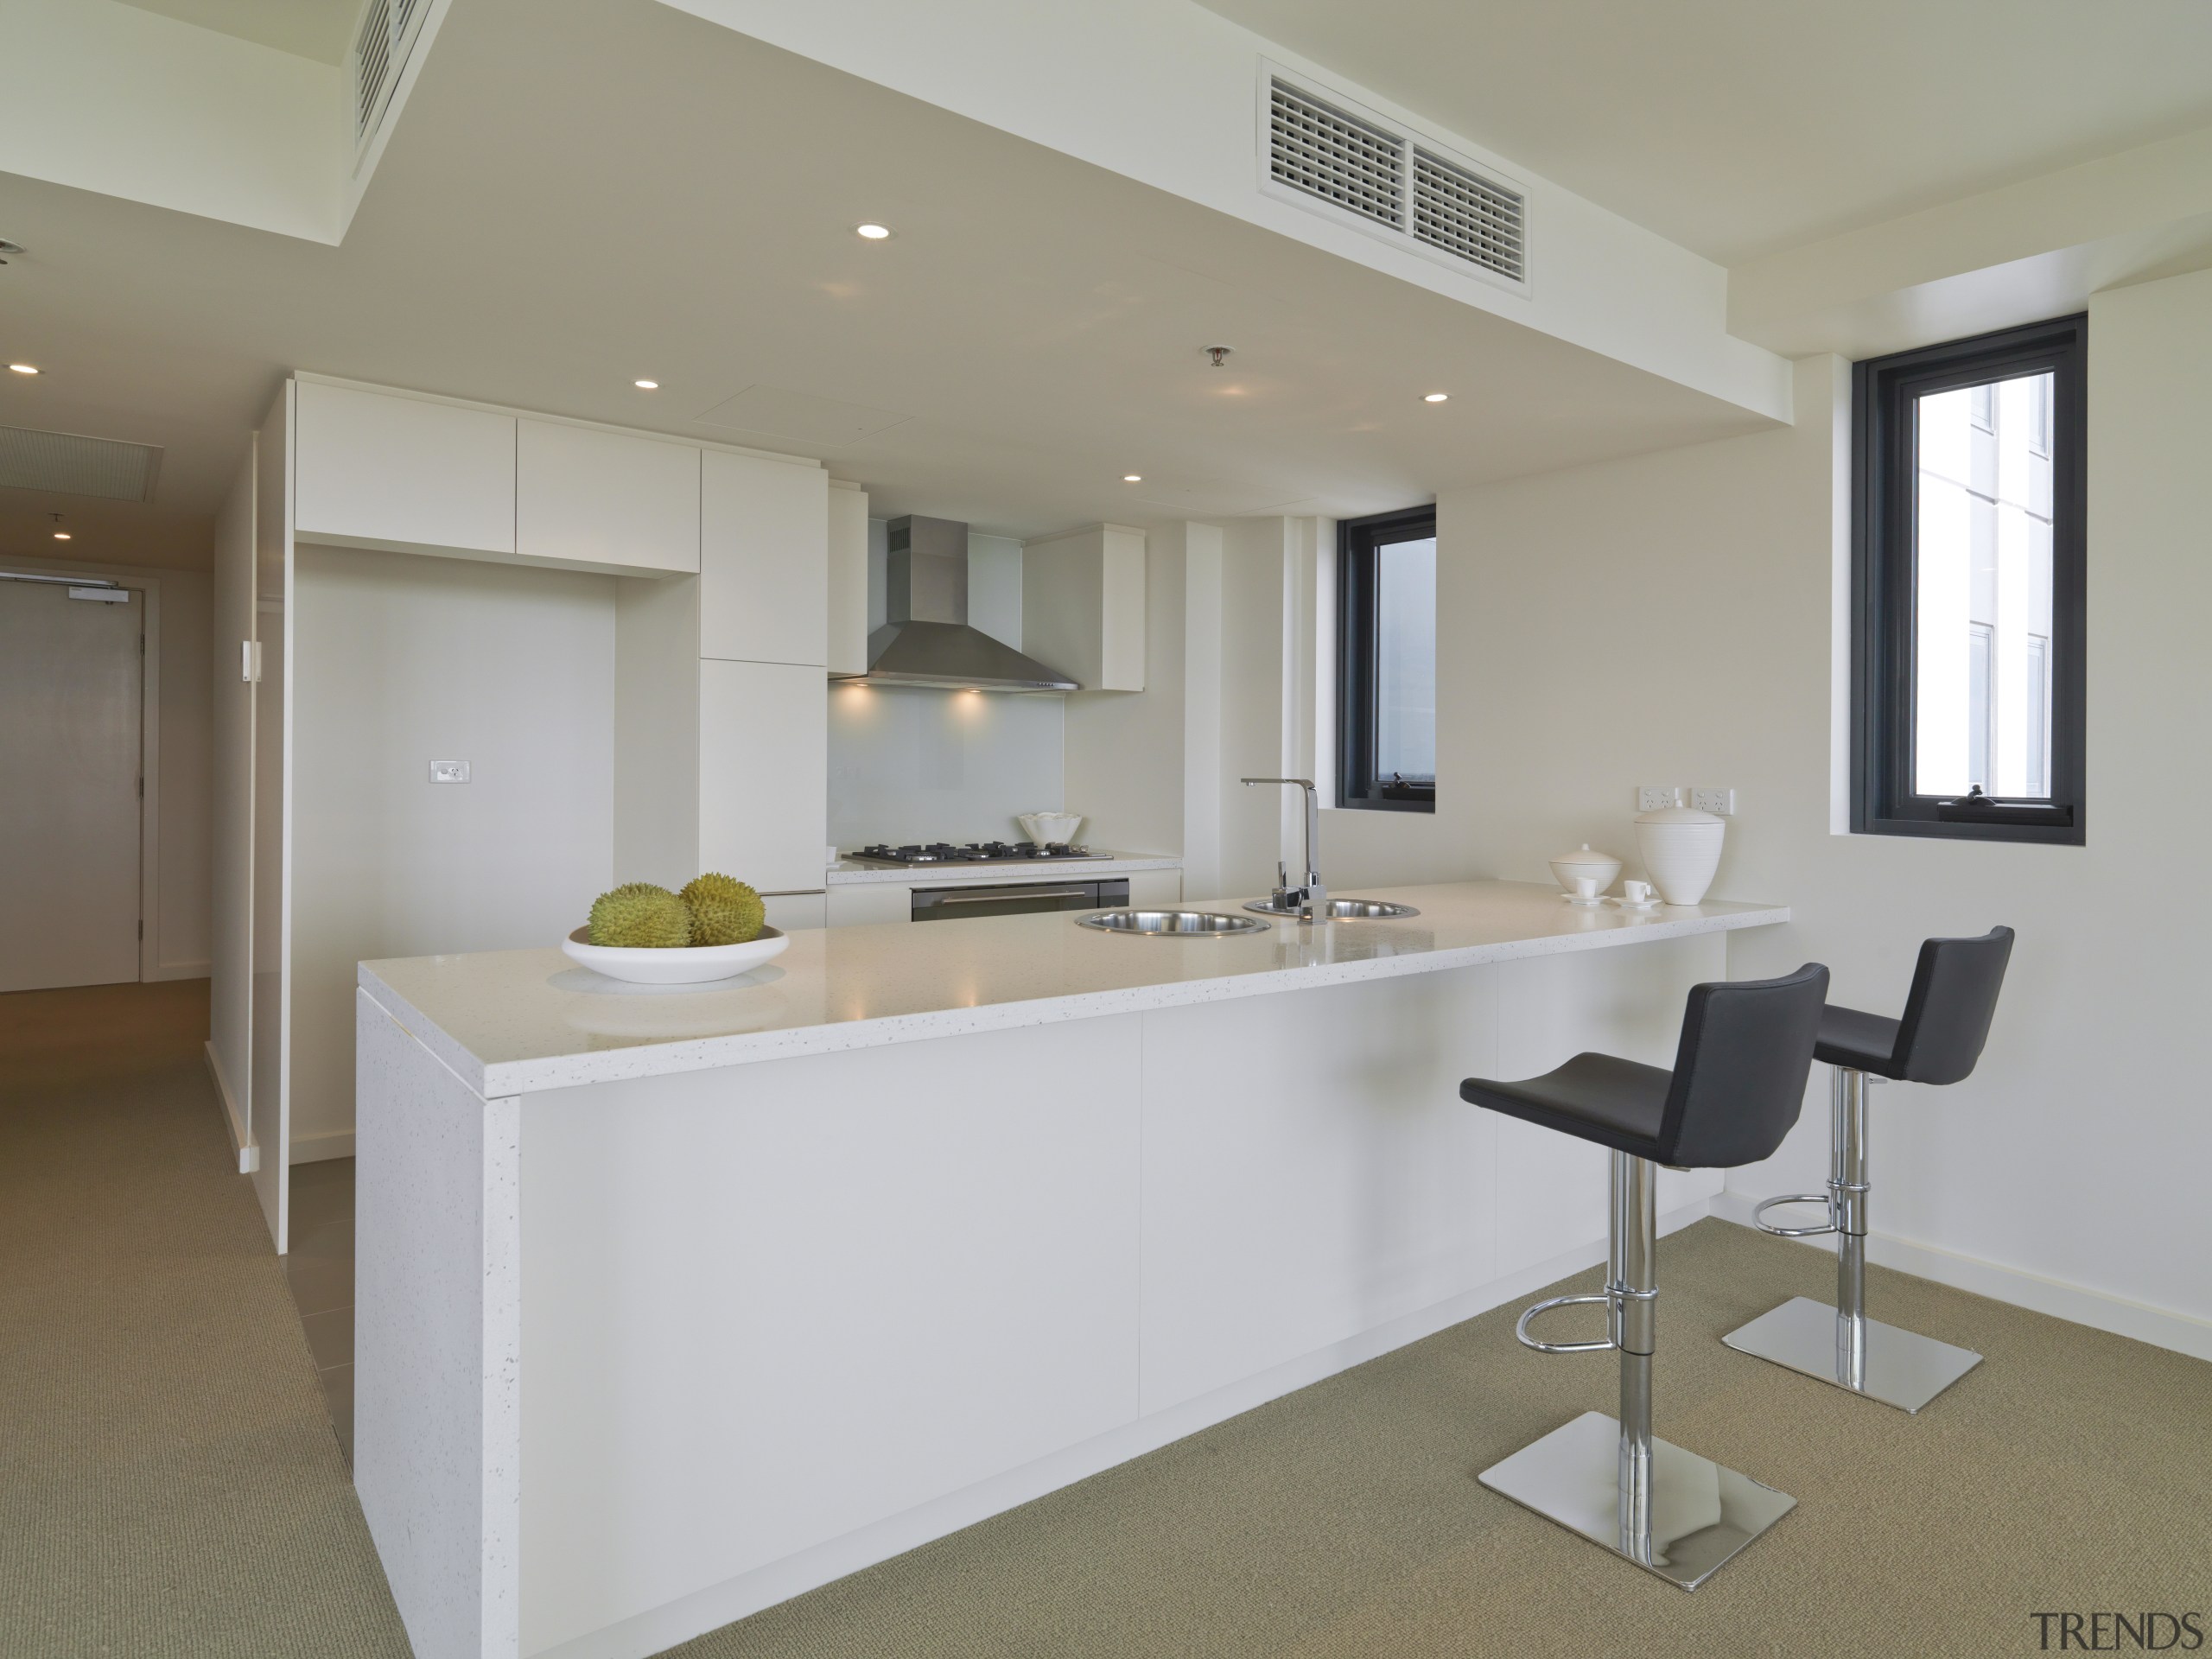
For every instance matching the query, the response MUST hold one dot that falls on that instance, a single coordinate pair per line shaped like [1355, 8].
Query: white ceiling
[584, 192]
[321, 30]
[1737, 127]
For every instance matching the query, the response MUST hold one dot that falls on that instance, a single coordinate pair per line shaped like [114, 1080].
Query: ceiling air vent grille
[372, 67]
[1323, 150]
[1465, 214]
[65, 464]
[1330, 154]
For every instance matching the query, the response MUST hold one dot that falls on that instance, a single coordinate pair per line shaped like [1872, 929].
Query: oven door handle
[1011, 891]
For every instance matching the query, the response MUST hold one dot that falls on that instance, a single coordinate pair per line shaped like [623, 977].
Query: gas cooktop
[983, 852]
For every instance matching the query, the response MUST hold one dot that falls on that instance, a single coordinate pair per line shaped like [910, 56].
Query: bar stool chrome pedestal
[1736, 1087]
[1946, 1021]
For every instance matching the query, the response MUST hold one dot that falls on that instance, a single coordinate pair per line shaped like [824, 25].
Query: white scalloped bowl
[685, 964]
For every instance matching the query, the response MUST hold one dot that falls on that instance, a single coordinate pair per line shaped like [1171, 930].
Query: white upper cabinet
[605, 501]
[848, 652]
[378, 470]
[764, 563]
[1082, 605]
[763, 762]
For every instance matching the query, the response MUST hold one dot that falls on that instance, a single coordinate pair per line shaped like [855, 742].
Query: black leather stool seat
[1864, 1042]
[1946, 1021]
[1615, 1102]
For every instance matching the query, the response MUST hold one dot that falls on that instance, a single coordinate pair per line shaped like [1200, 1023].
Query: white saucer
[1649, 904]
[1582, 904]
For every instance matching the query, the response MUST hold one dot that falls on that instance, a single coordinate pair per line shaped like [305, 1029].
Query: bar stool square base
[1702, 1515]
[1903, 1369]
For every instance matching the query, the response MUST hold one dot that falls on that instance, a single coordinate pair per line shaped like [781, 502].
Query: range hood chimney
[925, 638]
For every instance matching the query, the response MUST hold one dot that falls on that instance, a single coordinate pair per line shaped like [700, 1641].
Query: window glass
[1405, 660]
[1982, 589]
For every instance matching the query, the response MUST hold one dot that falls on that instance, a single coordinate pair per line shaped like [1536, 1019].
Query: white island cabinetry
[799, 1272]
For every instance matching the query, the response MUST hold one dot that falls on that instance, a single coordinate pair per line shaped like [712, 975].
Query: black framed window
[1969, 687]
[1386, 661]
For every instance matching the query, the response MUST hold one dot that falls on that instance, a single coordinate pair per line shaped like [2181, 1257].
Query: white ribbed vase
[1681, 850]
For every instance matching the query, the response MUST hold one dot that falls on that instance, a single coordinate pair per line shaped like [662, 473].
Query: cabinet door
[764, 765]
[1155, 889]
[764, 561]
[870, 902]
[606, 499]
[382, 471]
[792, 911]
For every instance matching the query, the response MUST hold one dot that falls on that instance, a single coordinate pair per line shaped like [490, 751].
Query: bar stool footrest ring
[1521, 1327]
[1759, 1215]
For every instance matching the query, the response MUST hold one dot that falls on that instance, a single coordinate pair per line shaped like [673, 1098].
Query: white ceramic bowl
[1603, 868]
[1046, 827]
[692, 964]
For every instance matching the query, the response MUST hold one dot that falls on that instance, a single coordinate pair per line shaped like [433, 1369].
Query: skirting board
[2160, 1327]
[750, 1593]
[233, 1119]
[314, 1148]
[178, 971]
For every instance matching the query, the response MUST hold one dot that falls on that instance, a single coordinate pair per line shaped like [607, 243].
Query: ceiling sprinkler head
[1218, 355]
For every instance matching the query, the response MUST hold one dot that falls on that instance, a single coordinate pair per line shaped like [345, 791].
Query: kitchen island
[674, 1303]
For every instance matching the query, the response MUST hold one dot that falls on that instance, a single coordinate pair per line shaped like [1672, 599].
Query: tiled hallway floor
[320, 1269]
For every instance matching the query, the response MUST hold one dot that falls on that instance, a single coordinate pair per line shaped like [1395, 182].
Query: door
[269, 1093]
[70, 674]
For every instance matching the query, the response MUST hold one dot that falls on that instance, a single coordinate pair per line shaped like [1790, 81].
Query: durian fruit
[640, 916]
[723, 911]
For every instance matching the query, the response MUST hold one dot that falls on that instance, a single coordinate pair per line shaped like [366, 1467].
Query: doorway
[71, 685]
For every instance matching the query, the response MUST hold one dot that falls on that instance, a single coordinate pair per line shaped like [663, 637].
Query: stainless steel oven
[1017, 898]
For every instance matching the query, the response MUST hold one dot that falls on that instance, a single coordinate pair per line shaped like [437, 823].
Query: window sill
[2069, 835]
[1388, 806]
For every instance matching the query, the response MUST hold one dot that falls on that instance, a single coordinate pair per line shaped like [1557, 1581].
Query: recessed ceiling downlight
[1132, 478]
[1437, 398]
[873, 232]
[646, 385]
[24, 368]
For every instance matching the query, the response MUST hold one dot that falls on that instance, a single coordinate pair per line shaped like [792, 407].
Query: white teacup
[1586, 889]
[1636, 892]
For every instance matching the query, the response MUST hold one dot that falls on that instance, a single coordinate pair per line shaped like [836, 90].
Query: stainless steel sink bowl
[1170, 924]
[1343, 910]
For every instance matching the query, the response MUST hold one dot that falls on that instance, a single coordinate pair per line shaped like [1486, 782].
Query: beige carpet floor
[170, 1484]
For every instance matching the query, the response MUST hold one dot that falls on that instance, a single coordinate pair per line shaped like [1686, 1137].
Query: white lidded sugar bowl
[1681, 848]
[1601, 867]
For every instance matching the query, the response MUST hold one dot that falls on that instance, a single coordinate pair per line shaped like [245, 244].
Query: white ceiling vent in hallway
[69, 465]
[1325, 152]
[380, 48]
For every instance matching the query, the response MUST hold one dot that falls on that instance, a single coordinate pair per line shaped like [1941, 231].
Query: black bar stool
[1738, 1085]
[1946, 1021]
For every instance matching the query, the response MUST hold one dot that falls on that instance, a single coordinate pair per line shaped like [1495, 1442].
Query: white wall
[183, 924]
[401, 660]
[910, 764]
[1671, 618]
[1125, 748]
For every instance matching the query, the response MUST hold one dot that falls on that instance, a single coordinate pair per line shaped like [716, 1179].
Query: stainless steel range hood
[926, 639]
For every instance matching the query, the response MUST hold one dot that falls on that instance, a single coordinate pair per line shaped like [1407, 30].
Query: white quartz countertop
[847, 872]
[511, 1021]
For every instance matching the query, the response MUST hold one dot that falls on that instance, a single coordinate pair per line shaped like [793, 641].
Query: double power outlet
[1651, 797]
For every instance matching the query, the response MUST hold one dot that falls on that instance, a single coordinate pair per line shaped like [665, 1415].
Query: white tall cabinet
[720, 626]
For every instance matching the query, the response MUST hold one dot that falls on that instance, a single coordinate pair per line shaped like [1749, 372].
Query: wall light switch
[1720, 801]
[1654, 798]
[449, 772]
